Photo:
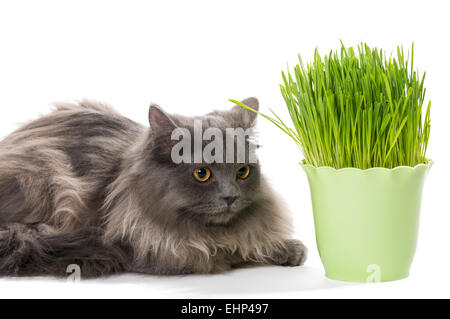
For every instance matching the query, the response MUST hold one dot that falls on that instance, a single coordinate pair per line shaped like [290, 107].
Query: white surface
[260, 282]
[190, 57]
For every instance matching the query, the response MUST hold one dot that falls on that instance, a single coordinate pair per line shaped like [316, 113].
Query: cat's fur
[84, 185]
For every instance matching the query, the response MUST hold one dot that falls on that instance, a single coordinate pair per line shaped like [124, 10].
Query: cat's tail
[39, 250]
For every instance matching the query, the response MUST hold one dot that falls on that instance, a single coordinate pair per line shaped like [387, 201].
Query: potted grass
[362, 125]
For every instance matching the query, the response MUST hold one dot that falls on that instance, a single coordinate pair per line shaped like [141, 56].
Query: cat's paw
[294, 254]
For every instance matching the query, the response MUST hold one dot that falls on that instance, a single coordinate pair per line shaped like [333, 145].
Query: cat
[87, 186]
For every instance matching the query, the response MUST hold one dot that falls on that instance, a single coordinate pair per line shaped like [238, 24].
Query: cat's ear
[246, 116]
[160, 121]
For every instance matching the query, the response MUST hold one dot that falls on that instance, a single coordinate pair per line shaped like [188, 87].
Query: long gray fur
[85, 185]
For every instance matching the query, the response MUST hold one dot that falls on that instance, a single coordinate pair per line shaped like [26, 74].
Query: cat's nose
[230, 199]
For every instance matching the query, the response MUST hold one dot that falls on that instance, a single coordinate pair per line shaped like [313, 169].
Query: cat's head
[208, 184]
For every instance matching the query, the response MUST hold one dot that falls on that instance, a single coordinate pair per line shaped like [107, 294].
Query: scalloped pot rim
[426, 165]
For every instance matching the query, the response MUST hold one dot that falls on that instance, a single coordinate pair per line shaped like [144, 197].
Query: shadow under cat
[257, 281]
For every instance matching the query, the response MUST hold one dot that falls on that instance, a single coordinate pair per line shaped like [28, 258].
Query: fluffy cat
[85, 185]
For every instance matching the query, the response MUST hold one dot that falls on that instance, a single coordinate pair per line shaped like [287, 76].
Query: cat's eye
[243, 172]
[202, 174]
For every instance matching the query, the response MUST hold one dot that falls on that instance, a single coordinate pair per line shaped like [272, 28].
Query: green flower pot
[366, 221]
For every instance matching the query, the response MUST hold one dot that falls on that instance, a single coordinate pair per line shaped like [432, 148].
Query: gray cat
[84, 185]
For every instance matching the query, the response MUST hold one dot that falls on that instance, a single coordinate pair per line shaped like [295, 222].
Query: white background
[190, 57]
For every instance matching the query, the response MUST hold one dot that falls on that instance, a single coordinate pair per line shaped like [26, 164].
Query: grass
[356, 110]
